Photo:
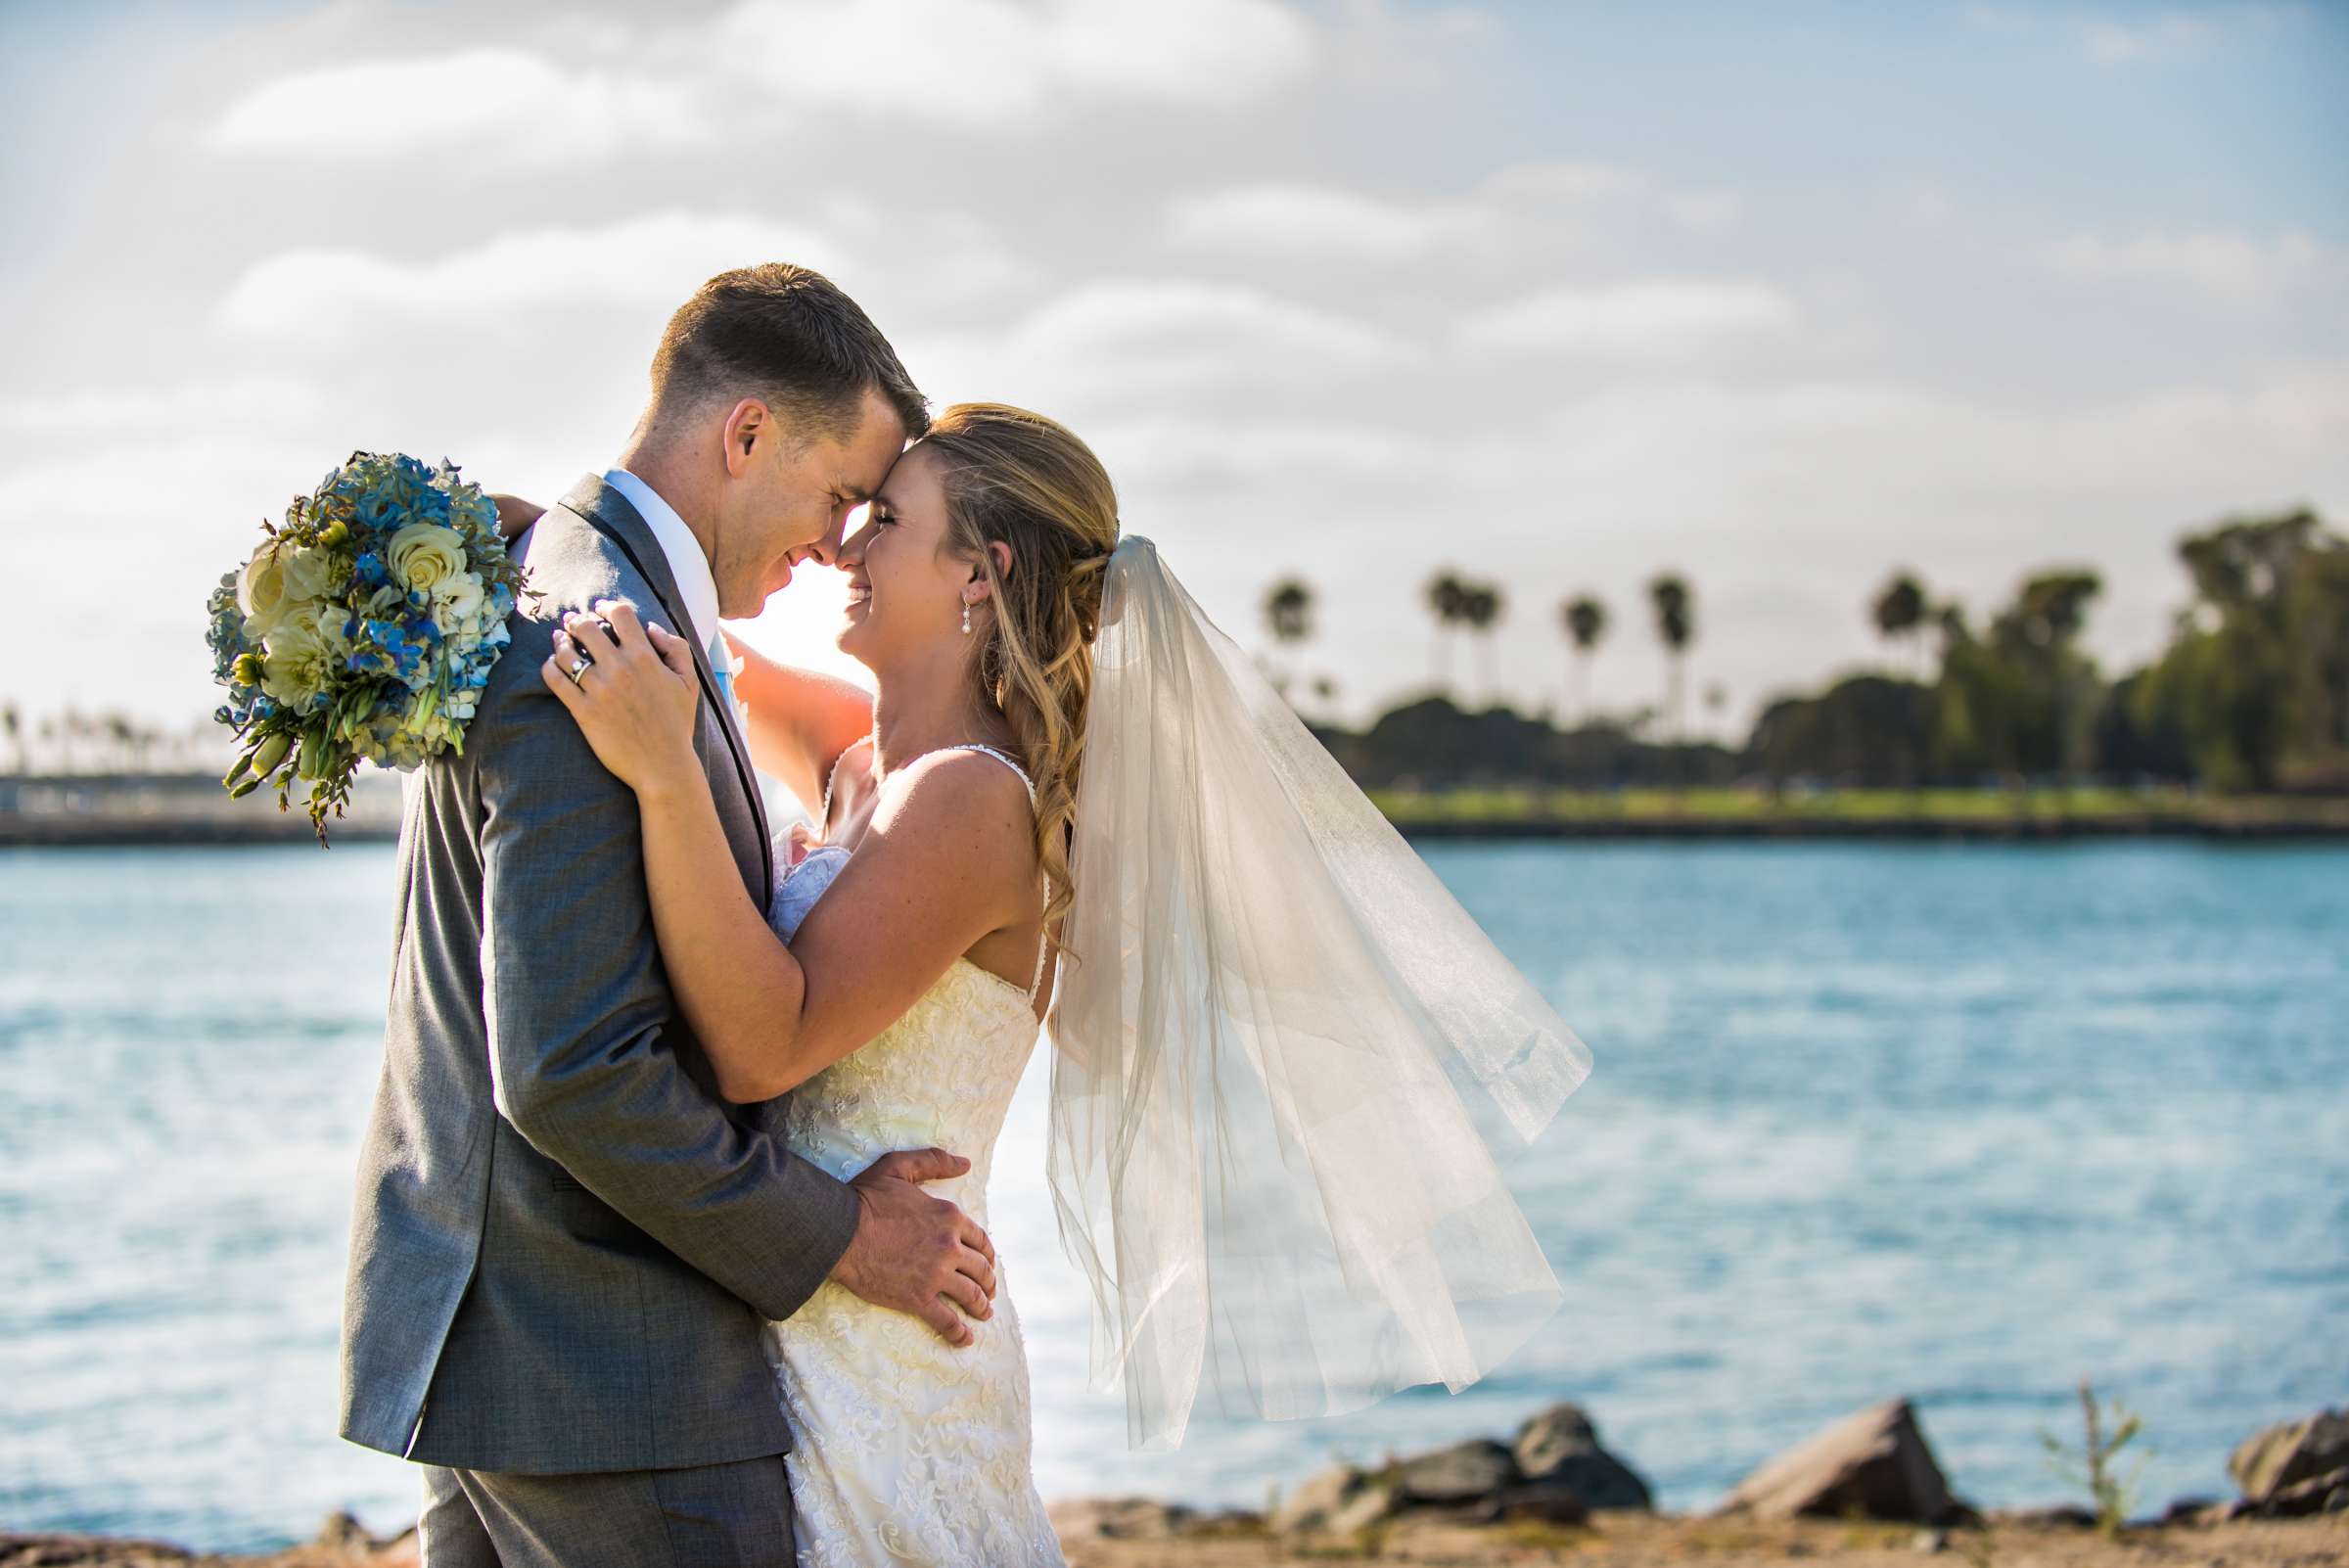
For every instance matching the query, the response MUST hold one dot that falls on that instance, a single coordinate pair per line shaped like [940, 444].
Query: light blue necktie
[721, 671]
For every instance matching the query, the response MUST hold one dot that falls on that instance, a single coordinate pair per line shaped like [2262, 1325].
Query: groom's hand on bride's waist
[913, 1253]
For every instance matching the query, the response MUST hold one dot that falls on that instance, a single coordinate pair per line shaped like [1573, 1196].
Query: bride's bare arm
[800, 721]
[514, 514]
[947, 859]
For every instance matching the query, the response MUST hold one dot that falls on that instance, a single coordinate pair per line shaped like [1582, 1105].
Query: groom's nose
[826, 550]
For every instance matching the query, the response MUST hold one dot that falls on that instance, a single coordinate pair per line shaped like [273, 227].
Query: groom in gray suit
[565, 1240]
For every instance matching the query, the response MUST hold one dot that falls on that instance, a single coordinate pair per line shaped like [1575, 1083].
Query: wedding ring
[578, 668]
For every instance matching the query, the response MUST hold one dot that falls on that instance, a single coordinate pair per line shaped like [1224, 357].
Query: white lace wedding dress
[911, 1450]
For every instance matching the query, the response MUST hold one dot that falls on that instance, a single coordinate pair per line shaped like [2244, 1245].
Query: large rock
[2319, 1494]
[1366, 1508]
[1319, 1498]
[342, 1544]
[1118, 1519]
[2286, 1455]
[1874, 1462]
[1461, 1473]
[1559, 1451]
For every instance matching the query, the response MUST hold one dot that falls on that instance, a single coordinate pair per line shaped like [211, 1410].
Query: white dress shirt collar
[686, 561]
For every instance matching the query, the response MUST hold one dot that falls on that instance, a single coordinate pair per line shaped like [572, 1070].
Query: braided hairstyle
[1025, 481]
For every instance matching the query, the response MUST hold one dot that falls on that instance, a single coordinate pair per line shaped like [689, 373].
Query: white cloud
[505, 106]
[1125, 339]
[1520, 213]
[146, 413]
[1185, 449]
[648, 262]
[1315, 220]
[660, 90]
[1705, 211]
[1558, 180]
[2237, 268]
[997, 63]
[1647, 319]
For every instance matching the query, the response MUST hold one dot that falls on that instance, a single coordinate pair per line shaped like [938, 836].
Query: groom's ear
[745, 423]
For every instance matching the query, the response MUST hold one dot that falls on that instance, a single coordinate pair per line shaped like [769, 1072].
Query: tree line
[2252, 692]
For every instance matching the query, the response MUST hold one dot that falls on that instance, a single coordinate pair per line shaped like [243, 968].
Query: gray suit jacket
[564, 1240]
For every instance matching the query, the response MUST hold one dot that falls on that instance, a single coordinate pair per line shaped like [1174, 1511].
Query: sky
[1559, 296]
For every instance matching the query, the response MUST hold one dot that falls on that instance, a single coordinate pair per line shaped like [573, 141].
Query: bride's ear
[1001, 553]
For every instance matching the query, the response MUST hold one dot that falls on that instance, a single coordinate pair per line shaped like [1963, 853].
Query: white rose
[458, 603]
[331, 619]
[425, 555]
[307, 571]
[261, 591]
[296, 663]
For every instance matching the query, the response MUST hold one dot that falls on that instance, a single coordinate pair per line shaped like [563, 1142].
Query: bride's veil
[1285, 1058]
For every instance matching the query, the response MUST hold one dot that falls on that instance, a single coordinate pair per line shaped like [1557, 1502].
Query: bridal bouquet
[363, 628]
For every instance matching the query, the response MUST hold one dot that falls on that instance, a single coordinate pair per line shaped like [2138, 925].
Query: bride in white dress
[910, 1450]
[1284, 1058]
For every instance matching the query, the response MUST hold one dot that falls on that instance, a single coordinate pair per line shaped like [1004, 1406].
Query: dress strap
[1005, 758]
[1043, 939]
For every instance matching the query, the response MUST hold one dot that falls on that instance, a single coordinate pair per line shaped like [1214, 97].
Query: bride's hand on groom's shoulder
[632, 687]
[913, 1253]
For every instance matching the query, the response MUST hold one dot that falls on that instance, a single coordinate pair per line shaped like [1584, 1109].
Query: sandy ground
[1615, 1541]
[1634, 1541]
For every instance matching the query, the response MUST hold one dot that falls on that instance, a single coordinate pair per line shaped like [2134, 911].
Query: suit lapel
[608, 513]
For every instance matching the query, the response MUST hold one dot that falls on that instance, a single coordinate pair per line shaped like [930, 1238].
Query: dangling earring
[966, 617]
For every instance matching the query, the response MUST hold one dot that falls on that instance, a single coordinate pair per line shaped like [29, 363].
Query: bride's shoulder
[969, 794]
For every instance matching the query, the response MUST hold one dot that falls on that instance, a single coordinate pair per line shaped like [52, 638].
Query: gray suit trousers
[707, 1517]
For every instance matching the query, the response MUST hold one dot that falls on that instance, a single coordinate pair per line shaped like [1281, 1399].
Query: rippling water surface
[1965, 1124]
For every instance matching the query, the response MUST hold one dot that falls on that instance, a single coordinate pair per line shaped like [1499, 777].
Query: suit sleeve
[579, 1010]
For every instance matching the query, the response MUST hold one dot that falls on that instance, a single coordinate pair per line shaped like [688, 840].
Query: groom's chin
[777, 578]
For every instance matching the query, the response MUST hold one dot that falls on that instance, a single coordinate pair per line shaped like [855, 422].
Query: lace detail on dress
[909, 1451]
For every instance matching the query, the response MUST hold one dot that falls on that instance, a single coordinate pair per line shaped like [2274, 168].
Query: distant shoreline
[135, 811]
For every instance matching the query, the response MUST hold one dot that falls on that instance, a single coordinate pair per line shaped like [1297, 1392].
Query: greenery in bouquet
[362, 630]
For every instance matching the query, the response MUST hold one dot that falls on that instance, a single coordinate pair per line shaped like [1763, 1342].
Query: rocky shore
[1862, 1491]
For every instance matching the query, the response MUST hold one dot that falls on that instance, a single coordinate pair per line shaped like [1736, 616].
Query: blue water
[1963, 1124]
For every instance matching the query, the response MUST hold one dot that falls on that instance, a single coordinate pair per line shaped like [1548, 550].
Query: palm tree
[1584, 618]
[1898, 611]
[1675, 627]
[1447, 601]
[2052, 611]
[1289, 610]
[13, 722]
[1482, 611]
[1289, 615]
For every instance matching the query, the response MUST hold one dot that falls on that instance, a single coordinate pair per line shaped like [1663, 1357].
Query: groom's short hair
[789, 337]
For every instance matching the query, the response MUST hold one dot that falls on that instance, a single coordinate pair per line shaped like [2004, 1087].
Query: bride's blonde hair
[1025, 481]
